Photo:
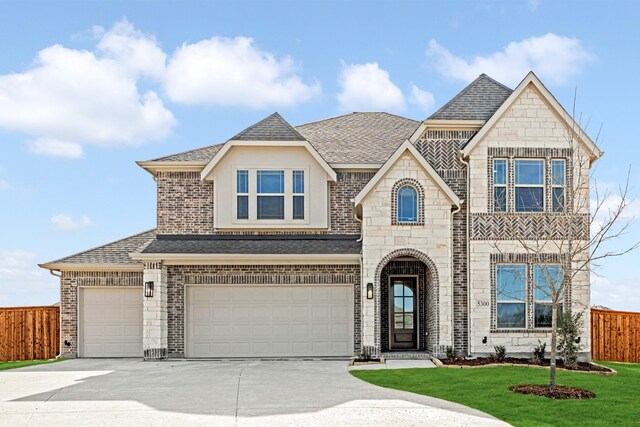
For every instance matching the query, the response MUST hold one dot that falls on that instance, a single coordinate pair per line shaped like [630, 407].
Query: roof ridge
[458, 95]
[275, 116]
[357, 112]
[185, 152]
[495, 81]
[101, 246]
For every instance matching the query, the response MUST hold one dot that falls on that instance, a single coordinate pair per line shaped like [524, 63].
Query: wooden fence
[615, 335]
[28, 333]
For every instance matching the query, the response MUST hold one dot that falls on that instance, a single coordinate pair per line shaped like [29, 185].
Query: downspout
[355, 216]
[453, 212]
[55, 275]
[468, 243]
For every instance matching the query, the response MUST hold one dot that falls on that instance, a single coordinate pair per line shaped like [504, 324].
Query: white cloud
[554, 58]
[55, 148]
[65, 222]
[22, 282]
[82, 97]
[422, 98]
[619, 294]
[4, 185]
[137, 52]
[234, 72]
[367, 87]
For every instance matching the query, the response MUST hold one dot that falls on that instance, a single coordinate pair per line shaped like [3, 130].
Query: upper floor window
[407, 204]
[557, 184]
[242, 191]
[270, 195]
[500, 185]
[529, 185]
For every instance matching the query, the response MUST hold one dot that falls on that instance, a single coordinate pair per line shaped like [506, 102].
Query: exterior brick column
[154, 314]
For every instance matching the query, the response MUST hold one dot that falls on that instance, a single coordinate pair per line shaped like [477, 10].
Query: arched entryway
[406, 306]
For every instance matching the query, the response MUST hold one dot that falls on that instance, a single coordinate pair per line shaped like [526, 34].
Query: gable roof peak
[477, 101]
[271, 128]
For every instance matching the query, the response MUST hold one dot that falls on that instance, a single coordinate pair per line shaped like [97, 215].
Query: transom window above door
[270, 195]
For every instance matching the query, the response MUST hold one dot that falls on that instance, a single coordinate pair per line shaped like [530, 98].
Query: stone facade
[70, 283]
[180, 276]
[430, 243]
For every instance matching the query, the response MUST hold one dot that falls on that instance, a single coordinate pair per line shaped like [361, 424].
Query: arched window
[407, 204]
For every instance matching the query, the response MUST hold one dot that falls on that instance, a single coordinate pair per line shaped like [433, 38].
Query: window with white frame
[558, 179]
[407, 204]
[511, 296]
[529, 185]
[547, 279]
[270, 196]
[500, 185]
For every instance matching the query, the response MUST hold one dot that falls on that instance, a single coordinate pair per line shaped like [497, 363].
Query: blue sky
[87, 88]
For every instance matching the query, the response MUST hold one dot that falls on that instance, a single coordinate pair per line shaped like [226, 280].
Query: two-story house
[366, 229]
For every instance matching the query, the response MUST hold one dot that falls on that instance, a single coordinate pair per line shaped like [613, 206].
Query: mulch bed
[559, 392]
[480, 361]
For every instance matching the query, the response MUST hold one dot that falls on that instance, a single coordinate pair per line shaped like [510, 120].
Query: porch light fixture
[148, 289]
[369, 290]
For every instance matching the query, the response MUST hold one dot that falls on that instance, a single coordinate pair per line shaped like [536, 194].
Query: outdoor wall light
[578, 340]
[484, 340]
[369, 290]
[148, 289]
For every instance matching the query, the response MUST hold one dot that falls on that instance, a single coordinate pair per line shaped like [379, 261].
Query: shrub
[501, 352]
[450, 353]
[365, 354]
[569, 326]
[539, 351]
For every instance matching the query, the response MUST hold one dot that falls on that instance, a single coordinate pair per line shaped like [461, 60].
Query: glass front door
[403, 320]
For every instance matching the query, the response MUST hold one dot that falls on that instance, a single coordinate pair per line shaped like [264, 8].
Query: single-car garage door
[111, 322]
[274, 321]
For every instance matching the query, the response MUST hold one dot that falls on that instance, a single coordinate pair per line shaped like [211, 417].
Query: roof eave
[153, 167]
[61, 266]
[244, 259]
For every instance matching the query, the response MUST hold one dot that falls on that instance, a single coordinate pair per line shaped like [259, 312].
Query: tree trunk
[554, 351]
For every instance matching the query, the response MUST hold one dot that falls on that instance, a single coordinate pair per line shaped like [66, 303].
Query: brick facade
[179, 276]
[185, 203]
[70, 282]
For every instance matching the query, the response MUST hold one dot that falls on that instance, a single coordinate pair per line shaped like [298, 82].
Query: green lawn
[617, 399]
[23, 363]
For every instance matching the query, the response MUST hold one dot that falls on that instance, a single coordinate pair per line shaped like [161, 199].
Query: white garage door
[111, 322]
[279, 321]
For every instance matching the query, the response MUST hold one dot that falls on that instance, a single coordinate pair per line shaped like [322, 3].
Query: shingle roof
[198, 154]
[255, 244]
[272, 128]
[358, 137]
[478, 101]
[112, 253]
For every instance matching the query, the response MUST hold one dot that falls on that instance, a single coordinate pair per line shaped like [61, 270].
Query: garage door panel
[111, 322]
[275, 321]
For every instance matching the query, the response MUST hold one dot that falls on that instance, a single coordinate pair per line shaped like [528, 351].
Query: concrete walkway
[222, 393]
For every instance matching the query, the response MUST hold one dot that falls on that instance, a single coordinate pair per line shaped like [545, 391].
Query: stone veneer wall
[185, 203]
[69, 284]
[179, 276]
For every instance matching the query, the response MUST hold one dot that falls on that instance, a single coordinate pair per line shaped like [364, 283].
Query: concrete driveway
[244, 393]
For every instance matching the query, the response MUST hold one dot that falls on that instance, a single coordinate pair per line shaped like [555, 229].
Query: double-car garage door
[226, 321]
[269, 321]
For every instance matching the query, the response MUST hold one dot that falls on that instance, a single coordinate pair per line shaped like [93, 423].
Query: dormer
[269, 176]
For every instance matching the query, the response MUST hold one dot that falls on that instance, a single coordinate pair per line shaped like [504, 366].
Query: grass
[22, 363]
[616, 401]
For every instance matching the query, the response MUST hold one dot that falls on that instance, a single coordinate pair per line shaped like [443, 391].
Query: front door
[403, 314]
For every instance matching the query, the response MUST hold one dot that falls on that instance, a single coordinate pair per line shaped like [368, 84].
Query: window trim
[543, 185]
[288, 194]
[420, 202]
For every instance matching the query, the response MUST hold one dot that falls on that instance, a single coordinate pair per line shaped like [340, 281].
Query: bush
[539, 351]
[501, 352]
[569, 327]
[450, 353]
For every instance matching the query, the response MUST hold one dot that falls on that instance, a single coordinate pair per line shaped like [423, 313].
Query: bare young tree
[587, 226]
